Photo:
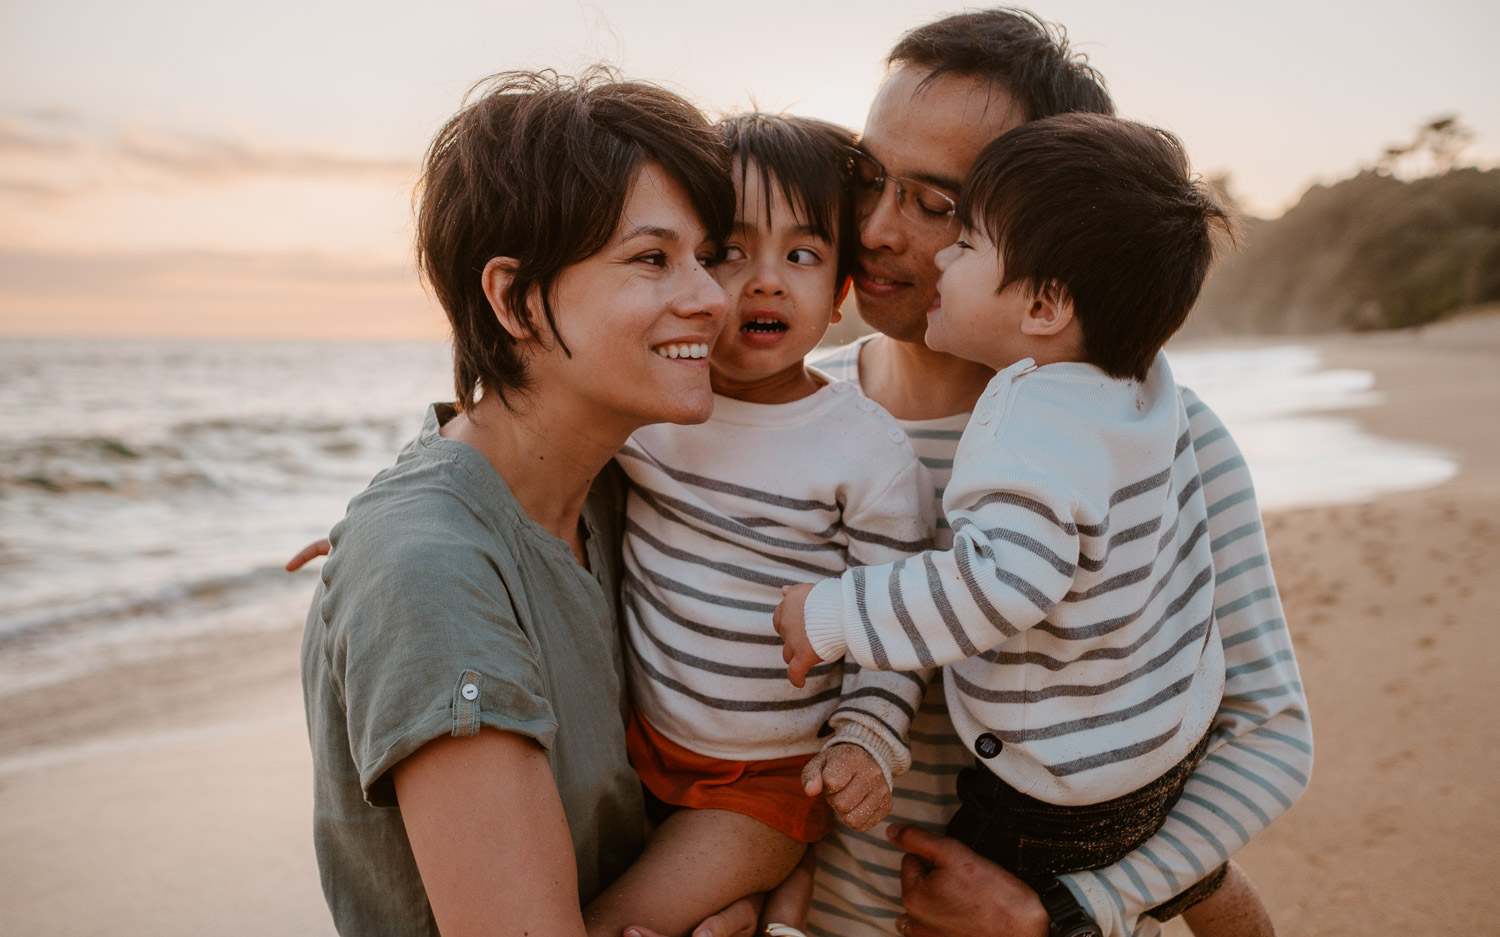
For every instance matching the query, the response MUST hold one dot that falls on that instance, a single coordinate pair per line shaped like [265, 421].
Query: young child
[1074, 610]
[795, 475]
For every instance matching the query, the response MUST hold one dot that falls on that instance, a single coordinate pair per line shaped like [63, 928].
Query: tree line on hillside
[1372, 252]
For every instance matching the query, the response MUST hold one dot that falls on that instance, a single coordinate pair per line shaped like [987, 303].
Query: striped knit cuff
[879, 747]
[1090, 890]
[822, 615]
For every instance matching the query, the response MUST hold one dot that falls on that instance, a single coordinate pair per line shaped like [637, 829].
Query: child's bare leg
[1233, 910]
[791, 900]
[697, 862]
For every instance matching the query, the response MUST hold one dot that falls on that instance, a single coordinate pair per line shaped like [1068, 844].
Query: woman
[460, 665]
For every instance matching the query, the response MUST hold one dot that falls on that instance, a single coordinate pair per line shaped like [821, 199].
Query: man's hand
[949, 890]
[851, 780]
[308, 553]
[797, 651]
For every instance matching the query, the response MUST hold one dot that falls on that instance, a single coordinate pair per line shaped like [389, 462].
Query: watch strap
[1068, 919]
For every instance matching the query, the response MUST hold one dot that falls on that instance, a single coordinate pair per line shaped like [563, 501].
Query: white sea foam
[1280, 404]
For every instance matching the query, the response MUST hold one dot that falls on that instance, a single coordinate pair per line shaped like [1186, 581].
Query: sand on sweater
[172, 795]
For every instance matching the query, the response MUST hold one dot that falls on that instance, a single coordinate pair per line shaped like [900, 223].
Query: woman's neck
[547, 459]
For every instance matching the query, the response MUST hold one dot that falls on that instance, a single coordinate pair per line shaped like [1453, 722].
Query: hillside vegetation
[1371, 252]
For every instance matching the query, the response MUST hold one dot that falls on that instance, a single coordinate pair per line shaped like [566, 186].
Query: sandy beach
[171, 795]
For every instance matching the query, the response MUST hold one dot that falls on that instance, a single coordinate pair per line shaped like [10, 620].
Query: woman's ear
[1050, 312]
[497, 276]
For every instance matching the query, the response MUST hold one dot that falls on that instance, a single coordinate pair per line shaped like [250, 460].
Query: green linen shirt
[443, 609]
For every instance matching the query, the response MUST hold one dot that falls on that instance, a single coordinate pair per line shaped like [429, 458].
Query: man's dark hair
[809, 160]
[1012, 48]
[1106, 210]
[537, 166]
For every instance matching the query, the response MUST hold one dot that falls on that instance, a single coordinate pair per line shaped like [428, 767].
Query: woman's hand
[308, 553]
[788, 621]
[950, 890]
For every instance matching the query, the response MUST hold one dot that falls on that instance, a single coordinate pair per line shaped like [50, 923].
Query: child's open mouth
[764, 324]
[763, 330]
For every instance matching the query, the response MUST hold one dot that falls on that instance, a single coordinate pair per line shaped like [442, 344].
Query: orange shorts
[770, 791]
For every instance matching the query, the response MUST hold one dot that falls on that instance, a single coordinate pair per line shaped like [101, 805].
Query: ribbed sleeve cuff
[823, 616]
[875, 743]
[1090, 890]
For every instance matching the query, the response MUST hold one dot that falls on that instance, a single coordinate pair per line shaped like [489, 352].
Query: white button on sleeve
[470, 691]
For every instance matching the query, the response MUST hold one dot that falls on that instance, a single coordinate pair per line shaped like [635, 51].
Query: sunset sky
[205, 169]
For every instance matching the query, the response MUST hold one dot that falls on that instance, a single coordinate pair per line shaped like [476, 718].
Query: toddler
[1074, 611]
[795, 475]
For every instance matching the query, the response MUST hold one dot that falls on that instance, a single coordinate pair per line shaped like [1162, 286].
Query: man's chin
[897, 317]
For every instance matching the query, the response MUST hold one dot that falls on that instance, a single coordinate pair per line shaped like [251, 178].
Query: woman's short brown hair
[537, 167]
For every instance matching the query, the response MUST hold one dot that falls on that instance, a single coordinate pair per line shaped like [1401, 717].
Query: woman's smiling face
[638, 317]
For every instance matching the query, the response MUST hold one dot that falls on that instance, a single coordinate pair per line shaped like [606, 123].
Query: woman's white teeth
[699, 350]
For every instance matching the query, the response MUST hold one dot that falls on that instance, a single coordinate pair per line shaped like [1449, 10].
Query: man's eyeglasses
[917, 201]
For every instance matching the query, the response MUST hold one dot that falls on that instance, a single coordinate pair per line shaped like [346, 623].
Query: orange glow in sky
[180, 168]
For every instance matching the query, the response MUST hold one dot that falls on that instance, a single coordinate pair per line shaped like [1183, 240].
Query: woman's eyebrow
[653, 231]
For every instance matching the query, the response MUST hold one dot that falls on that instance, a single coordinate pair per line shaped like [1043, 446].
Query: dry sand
[172, 796]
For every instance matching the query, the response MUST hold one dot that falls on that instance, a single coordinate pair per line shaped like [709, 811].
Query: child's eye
[803, 256]
[963, 245]
[731, 253]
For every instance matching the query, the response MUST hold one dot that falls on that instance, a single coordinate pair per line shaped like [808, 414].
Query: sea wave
[22, 625]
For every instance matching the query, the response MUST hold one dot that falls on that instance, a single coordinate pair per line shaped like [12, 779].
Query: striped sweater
[723, 514]
[1074, 606]
[1259, 758]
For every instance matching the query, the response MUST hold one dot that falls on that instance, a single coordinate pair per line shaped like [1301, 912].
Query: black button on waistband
[987, 746]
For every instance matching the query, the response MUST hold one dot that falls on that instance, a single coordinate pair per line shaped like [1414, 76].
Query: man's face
[931, 135]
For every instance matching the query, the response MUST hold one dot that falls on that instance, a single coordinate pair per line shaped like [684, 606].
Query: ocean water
[151, 490]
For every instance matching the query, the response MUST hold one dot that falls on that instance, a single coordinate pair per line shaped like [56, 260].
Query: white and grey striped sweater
[723, 514]
[1260, 753]
[1074, 608]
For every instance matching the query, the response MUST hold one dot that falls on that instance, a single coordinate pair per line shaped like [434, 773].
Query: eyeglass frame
[905, 186]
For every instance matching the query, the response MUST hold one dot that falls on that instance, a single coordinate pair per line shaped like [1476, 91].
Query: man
[954, 86]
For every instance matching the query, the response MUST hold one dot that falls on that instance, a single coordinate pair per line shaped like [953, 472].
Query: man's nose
[881, 225]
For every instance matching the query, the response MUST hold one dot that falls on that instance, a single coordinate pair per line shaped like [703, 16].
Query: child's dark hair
[1108, 211]
[809, 160]
[537, 167]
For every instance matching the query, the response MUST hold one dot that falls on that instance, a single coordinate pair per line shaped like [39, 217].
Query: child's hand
[852, 782]
[797, 651]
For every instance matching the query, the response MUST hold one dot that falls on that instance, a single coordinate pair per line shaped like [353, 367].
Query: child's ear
[496, 279]
[838, 302]
[1050, 312]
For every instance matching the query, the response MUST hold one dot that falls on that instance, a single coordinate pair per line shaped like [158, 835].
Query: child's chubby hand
[852, 782]
[796, 650]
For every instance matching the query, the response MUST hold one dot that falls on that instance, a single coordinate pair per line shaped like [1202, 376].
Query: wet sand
[172, 796]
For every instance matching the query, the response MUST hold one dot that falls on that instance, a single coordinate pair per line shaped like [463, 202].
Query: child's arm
[882, 521]
[1012, 561]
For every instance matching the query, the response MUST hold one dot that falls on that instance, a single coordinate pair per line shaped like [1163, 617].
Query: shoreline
[177, 789]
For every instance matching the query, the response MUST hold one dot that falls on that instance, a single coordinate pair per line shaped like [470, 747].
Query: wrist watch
[1068, 917]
